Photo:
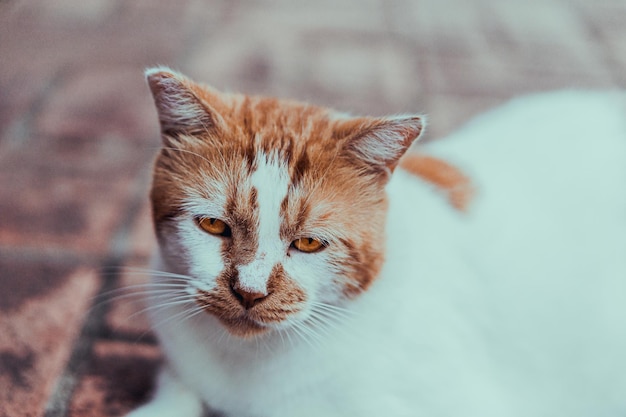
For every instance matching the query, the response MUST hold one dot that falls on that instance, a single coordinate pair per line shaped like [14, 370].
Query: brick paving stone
[446, 113]
[127, 316]
[21, 93]
[108, 159]
[142, 241]
[327, 15]
[41, 313]
[87, 12]
[41, 209]
[100, 102]
[605, 24]
[362, 74]
[273, 54]
[119, 376]
[350, 70]
[48, 40]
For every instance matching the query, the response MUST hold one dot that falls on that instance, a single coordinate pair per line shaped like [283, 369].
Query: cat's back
[549, 173]
[548, 203]
[555, 161]
[566, 136]
[524, 290]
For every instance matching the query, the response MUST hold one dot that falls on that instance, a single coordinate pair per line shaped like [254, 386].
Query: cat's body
[512, 303]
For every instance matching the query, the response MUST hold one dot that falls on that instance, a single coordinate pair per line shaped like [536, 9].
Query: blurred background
[78, 134]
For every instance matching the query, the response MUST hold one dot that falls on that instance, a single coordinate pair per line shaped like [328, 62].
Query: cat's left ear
[381, 142]
[183, 106]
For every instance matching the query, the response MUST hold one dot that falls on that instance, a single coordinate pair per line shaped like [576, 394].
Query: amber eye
[214, 226]
[308, 244]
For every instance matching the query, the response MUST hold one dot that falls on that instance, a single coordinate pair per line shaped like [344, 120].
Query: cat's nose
[247, 299]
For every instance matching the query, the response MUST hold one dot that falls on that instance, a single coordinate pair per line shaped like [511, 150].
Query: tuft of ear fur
[179, 103]
[381, 142]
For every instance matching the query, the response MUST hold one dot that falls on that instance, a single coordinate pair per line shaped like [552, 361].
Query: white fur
[271, 180]
[516, 308]
[203, 254]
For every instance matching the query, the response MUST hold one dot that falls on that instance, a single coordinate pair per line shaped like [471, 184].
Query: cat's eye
[308, 244]
[214, 226]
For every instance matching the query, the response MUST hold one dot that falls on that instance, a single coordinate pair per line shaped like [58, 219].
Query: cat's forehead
[291, 133]
[269, 141]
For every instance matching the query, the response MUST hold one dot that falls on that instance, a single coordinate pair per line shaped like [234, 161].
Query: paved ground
[78, 134]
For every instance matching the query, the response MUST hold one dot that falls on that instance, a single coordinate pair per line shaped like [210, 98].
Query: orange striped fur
[447, 178]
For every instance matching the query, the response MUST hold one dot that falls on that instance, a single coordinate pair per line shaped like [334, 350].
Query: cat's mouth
[244, 322]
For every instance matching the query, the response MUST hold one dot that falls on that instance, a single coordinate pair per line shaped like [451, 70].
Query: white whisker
[181, 314]
[161, 306]
[169, 148]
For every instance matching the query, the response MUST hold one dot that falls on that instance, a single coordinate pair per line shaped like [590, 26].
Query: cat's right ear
[180, 104]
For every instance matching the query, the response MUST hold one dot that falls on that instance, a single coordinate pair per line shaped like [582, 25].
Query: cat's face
[273, 209]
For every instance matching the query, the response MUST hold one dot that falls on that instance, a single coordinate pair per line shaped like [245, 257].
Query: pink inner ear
[180, 109]
[384, 141]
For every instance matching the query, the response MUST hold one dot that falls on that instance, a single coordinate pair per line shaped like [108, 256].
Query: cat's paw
[161, 408]
[172, 399]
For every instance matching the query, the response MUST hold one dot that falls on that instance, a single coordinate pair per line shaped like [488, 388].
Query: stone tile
[446, 113]
[274, 57]
[107, 159]
[92, 11]
[41, 313]
[604, 21]
[119, 377]
[127, 318]
[436, 24]
[55, 44]
[97, 69]
[142, 240]
[362, 15]
[358, 72]
[100, 102]
[350, 70]
[22, 92]
[45, 210]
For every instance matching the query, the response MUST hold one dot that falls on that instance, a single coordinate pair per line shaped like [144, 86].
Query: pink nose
[247, 299]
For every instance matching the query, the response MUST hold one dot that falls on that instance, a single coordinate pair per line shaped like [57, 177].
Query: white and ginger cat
[309, 269]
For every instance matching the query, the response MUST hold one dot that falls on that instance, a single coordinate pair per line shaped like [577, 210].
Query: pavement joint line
[110, 270]
[58, 403]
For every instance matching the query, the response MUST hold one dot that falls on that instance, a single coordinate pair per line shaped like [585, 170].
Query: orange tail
[447, 178]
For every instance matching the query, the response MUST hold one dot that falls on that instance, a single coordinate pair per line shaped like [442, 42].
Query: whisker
[123, 293]
[147, 285]
[329, 309]
[192, 313]
[177, 315]
[308, 335]
[161, 306]
[169, 148]
[185, 314]
[322, 325]
[330, 316]
[152, 272]
[282, 339]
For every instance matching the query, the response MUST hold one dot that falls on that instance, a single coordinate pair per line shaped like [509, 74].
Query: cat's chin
[243, 327]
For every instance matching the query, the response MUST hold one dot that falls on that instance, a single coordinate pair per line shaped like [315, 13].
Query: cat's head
[272, 208]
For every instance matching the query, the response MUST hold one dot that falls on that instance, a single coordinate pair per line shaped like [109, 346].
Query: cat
[312, 264]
